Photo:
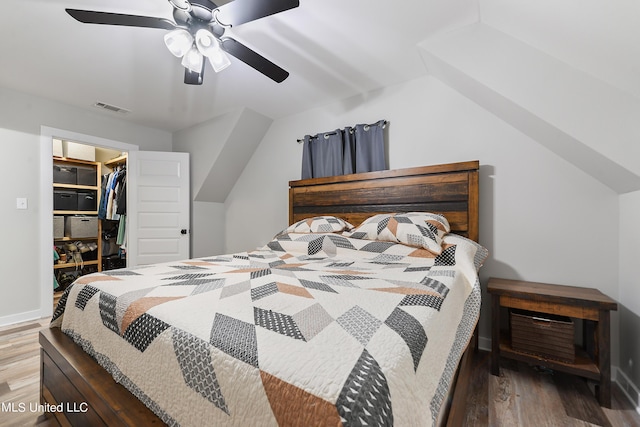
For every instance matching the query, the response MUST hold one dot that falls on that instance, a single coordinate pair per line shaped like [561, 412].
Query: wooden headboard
[450, 189]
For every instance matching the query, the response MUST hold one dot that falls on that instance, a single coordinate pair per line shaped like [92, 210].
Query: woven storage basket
[544, 335]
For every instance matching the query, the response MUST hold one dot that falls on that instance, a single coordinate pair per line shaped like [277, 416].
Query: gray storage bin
[81, 226]
[64, 200]
[87, 201]
[63, 174]
[87, 176]
[58, 226]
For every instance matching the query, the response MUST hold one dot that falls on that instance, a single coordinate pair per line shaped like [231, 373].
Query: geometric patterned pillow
[319, 224]
[417, 229]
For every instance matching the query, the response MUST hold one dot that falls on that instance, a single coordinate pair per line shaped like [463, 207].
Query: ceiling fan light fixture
[193, 60]
[178, 42]
[206, 41]
[219, 61]
[209, 46]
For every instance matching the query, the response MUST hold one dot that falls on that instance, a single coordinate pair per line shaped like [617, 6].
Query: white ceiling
[332, 49]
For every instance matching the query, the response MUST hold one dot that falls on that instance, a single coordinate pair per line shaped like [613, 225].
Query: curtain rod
[384, 125]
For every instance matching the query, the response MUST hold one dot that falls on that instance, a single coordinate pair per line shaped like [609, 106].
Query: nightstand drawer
[544, 335]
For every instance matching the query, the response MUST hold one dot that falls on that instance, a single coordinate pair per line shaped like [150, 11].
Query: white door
[158, 194]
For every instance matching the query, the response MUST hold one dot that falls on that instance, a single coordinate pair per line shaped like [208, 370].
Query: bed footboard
[77, 391]
[72, 381]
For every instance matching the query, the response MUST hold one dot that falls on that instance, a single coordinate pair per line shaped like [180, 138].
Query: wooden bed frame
[90, 396]
[450, 189]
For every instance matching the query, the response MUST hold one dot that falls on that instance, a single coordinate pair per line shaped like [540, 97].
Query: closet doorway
[89, 211]
[64, 238]
[158, 204]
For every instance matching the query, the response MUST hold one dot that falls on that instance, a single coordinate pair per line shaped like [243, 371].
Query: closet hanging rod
[326, 134]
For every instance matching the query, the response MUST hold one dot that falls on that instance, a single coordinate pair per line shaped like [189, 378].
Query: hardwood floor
[522, 395]
[530, 396]
[20, 375]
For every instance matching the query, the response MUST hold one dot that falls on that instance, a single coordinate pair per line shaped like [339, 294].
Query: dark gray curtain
[369, 141]
[341, 152]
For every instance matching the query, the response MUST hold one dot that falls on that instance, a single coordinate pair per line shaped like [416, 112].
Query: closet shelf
[120, 160]
[73, 239]
[75, 186]
[73, 264]
[75, 212]
[70, 160]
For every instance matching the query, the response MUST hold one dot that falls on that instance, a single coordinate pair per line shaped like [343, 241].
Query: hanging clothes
[102, 210]
[113, 201]
[121, 200]
[113, 207]
[122, 230]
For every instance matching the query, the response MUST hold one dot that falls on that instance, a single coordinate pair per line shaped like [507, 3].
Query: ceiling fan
[197, 32]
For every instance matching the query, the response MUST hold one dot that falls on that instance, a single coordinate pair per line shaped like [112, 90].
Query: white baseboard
[628, 387]
[484, 343]
[20, 317]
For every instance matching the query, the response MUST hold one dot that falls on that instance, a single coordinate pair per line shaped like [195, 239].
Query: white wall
[204, 142]
[19, 261]
[21, 116]
[629, 301]
[630, 251]
[220, 149]
[207, 229]
[541, 218]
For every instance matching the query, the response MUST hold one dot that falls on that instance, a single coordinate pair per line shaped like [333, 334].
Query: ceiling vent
[110, 107]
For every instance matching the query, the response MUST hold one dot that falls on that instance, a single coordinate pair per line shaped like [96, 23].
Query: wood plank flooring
[530, 396]
[521, 396]
[20, 375]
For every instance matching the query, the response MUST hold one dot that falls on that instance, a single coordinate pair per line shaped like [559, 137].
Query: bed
[325, 325]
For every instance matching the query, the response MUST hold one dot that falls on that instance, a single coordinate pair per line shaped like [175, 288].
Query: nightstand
[592, 360]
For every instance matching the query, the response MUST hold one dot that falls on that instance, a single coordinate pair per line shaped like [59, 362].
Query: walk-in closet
[89, 211]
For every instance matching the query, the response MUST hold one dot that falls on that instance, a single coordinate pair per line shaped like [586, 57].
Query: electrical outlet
[21, 203]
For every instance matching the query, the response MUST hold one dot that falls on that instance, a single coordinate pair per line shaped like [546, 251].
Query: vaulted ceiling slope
[564, 73]
[220, 149]
[577, 116]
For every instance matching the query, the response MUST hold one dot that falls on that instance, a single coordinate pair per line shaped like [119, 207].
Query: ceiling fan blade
[253, 59]
[108, 18]
[238, 12]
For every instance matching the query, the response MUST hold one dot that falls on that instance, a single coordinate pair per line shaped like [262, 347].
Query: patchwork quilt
[311, 330]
